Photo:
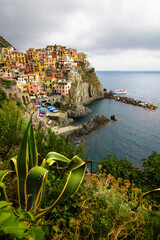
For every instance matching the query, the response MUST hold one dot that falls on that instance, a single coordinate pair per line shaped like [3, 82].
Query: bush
[12, 126]
[122, 169]
[103, 209]
[52, 142]
[3, 96]
[152, 170]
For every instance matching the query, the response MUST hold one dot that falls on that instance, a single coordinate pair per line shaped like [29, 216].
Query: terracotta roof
[14, 66]
[48, 78]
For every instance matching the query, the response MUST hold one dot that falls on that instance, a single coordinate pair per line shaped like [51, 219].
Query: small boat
[120, 91]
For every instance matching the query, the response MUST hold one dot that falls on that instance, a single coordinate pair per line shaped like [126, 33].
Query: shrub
[31, 178]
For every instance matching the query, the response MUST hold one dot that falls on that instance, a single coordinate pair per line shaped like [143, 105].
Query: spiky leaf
[33, 154]
[73, 182]
[3, 194]
[22, 165]
[35, 187]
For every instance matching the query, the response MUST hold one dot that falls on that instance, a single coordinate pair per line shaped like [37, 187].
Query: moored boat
[120, 91]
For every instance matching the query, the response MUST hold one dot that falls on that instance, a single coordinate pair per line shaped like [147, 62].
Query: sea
[137, 132]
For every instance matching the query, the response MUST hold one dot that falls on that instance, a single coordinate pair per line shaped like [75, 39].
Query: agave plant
[31, 178]
[144, 195]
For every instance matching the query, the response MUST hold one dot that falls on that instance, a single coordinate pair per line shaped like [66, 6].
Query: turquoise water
[137, 132]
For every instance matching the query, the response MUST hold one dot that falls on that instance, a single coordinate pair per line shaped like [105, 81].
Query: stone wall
[15, 94]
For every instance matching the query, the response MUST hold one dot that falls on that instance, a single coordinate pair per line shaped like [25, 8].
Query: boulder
[114, 118]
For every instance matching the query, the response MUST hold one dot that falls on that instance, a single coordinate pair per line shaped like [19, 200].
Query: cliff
[85, 87]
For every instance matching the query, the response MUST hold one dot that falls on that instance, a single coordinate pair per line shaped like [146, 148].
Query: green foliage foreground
[31, 178]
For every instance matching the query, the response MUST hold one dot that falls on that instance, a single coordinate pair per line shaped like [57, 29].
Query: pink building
[33, 83]
[33, 88]
[63, 86]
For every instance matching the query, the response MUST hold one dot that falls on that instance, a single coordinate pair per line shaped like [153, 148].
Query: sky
[115, 34]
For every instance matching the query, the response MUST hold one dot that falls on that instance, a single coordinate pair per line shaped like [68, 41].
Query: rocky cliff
[85, 88]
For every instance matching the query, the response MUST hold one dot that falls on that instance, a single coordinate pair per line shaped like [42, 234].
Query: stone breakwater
[131, 101]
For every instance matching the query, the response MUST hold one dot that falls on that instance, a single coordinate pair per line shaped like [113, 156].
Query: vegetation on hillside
[88, 75]
[108, 205]
[12, 125]
[4, 43]
[31, 179]
[146, 179]
[3, 96]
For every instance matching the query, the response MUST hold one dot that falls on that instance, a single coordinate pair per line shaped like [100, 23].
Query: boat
[120, 91]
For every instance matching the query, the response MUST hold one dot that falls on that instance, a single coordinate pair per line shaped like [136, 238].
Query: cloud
[128, 60]
[99, 28]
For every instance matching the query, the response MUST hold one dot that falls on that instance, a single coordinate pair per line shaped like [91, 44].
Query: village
[42, 72]
[42, 78]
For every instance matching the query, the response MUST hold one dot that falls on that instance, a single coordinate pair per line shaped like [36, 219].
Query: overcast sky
[115, 34]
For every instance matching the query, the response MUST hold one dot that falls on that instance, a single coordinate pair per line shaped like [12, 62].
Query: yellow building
[6, 53]
[50, 84]
[38, 66]
[49, 63]
[76, 58]
[21, 84]
[19, 56]
[35, 55]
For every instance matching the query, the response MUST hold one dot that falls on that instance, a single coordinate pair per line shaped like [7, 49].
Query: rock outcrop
[61, 121]
[114, 118]
[73, 110]
[78, 111]
[85, 88]
[88, 127]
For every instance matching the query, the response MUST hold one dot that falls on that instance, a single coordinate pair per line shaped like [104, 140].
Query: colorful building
[21, 85]
[63, 86]
[33, 83]
[49, 84]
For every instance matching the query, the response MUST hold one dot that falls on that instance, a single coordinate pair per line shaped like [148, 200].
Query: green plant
[31, 178]
[152, 170]
[122, 169]
[17, 223]
[3, 96]
[107, 211]
[52, 141]
[12, 126]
